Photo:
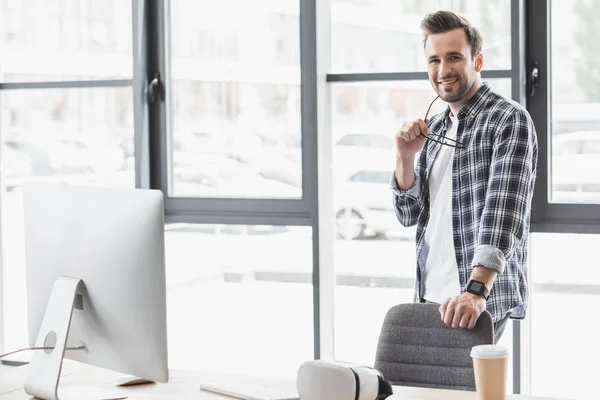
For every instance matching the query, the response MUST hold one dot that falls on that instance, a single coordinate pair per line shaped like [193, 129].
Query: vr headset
[333, 380]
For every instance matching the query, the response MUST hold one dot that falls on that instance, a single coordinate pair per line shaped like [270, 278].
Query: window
[63, 137]
[244, 310]
[557, 292]
[54, 131]
[385, 36]
[575, 133]
[52, 38]
[240, 104]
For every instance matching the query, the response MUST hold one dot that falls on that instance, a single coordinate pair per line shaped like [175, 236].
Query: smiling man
[470, 192]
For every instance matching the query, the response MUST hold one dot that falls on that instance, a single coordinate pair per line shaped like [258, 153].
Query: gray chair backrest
[416, 348]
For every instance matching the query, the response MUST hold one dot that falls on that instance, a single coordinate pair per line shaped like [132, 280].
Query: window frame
[64, 84]
[516, 73]
[547, 216]
[225, 210]
[152, 122]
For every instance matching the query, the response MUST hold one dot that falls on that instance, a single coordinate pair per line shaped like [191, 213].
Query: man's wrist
[478, 288]
[474, 296]
[484, 274]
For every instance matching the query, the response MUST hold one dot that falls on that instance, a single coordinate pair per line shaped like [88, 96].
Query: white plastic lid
[489, 351]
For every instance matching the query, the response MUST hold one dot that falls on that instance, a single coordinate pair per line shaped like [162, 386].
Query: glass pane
[78, 136]
[385, 35]
[235, 110]
[365, 118]
[65, 40]
[564, 308]
[575, 112]
[238, 311]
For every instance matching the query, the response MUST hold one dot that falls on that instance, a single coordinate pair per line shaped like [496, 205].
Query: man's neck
[455, 107]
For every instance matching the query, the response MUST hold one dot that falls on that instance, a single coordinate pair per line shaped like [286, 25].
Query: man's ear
[478, 62]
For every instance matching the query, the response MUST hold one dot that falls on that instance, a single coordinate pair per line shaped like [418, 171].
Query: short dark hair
[445, 21]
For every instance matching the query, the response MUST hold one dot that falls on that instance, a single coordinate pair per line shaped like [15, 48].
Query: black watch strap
[477, 287]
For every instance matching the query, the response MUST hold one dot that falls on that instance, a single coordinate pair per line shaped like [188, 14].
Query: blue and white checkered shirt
[492, 186]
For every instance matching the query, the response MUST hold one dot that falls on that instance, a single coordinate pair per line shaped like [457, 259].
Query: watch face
[476, 286]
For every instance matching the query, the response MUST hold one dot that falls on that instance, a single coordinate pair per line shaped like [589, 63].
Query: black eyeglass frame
[439, 138]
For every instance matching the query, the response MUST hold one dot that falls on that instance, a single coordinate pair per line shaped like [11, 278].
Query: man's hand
[409, 140]
[463, 310]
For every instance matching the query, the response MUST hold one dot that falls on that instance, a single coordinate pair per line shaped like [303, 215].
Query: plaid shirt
[492, 187]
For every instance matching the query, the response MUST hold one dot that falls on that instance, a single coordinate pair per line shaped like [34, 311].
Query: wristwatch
[479, 288]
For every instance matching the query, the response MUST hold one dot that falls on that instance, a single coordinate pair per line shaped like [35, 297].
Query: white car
[364, 207]
[101, 155]
[220, 180]
[362, 151]
[575, 166]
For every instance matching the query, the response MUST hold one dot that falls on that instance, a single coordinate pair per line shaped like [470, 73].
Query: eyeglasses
[439, 138]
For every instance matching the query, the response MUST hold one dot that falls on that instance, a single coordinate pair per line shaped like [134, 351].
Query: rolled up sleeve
[407, 203]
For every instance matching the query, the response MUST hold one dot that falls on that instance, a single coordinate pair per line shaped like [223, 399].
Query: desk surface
[185, 385]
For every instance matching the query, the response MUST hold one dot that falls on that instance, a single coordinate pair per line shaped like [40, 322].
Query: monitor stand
[133, 381]
[44, 370]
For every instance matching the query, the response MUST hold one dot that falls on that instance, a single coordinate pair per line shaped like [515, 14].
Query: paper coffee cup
[490, 364]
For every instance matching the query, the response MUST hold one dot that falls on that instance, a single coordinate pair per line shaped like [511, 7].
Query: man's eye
[433, 61]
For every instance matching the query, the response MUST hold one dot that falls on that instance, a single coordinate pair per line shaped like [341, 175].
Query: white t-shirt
[440, 279]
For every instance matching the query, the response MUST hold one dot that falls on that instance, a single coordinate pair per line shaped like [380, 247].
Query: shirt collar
[476, 102]
[472, 106]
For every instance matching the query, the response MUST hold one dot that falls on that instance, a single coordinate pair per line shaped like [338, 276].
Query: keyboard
[250, 391]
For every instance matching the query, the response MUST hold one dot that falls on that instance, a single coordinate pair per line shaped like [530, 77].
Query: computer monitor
[95, 263]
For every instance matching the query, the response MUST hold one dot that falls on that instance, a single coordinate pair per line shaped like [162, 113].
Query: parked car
[101, 155]
[364, 208]
[269, 165]
[357, 151]
[228, 181]
[48, 156]
[575, 166]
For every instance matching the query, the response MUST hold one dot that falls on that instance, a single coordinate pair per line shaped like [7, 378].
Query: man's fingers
[472, 322]
[422, 125]
[404, 135]
[449, 312]
[465, 320]
[443, 307]
[458, 314]
[414, 131]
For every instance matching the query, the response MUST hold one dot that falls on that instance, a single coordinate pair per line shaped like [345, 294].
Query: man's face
[452, 70]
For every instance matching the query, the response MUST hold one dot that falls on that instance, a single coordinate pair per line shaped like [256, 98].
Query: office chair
[416, 348]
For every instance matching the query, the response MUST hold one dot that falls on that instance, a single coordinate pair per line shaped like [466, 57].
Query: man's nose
[444, 69]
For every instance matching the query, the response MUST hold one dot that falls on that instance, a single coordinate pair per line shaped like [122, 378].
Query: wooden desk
[185, 385]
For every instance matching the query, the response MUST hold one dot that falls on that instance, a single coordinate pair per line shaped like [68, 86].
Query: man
[470, 191]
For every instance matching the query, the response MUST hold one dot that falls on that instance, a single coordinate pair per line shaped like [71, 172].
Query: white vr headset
[333, 380]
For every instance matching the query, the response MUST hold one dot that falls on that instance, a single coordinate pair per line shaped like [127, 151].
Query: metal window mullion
[537, 51]
[403, 76]
[519, 90]
[239, 211]
[158, 62]
[317, 153]
[141, 110]
[88, 84]
[222, 218]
